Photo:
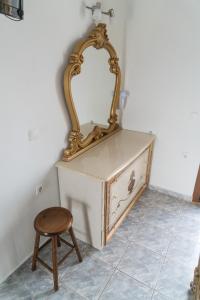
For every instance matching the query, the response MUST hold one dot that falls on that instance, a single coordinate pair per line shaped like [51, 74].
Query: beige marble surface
[88, 127]
[107, 158]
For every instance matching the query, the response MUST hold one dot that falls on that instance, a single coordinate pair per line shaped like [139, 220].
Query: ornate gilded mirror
[91, 120]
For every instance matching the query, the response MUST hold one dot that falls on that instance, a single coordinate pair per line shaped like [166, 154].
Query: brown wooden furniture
[196, 193]
[52, 222]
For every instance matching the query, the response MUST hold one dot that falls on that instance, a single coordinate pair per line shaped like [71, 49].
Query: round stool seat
[53, 220]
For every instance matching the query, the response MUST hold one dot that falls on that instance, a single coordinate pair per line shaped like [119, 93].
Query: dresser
[101, 185]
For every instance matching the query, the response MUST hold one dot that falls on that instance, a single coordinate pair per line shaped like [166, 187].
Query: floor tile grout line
[114, 270]
[177, 203]
[100, 260]
[116, 267]
[136, 279]
[161, 259]
[160, 253]
[160, 206]
[74, 290]
[167, 298]
[141, 282]
[160, 293]
[86, 298]
[153, 294]
[123, 255]
[152, 224]
[143, 220]
[163, 263]
[158, 276]
[111, 276]
[170, 231]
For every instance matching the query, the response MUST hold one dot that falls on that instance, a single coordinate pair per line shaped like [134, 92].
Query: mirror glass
[92, 90]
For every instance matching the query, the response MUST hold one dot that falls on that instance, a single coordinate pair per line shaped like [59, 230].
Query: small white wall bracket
[123, 99]
[97, 12]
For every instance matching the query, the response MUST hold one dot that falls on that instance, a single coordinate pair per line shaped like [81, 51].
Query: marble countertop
[109, 157]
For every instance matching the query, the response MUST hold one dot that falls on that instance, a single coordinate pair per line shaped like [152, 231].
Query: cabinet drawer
[125, 186]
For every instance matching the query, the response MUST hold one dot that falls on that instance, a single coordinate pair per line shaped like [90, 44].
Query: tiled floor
[151, 257]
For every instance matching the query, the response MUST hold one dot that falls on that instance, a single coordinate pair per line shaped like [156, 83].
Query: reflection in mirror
[92, 90]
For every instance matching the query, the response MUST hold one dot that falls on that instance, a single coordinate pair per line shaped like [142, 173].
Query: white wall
[163, 77]
[162, 70]
[33, 55]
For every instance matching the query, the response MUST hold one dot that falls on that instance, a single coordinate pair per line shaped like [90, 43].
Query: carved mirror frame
[97, 38]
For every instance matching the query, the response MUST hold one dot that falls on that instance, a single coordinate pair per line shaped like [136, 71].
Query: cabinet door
[123, 187]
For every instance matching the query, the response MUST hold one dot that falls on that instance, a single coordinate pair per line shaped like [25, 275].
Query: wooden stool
[52, 222]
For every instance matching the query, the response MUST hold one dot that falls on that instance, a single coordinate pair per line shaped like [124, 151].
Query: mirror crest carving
[98, 39]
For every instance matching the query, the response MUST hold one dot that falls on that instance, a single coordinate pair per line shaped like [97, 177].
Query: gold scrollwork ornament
[98, 39]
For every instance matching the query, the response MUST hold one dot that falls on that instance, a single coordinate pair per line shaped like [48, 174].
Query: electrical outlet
[38, 189]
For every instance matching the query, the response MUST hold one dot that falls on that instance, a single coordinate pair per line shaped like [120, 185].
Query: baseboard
[21, 263]
[170, 193]
[15, 269]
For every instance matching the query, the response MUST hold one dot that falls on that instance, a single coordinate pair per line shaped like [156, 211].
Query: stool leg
[75, 244]
[58, 241]
[36, 250]
[54, 261]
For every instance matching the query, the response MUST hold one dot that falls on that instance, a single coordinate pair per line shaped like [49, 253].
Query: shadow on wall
[80, 209]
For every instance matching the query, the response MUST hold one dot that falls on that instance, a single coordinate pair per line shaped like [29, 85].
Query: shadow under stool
[52, 222]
